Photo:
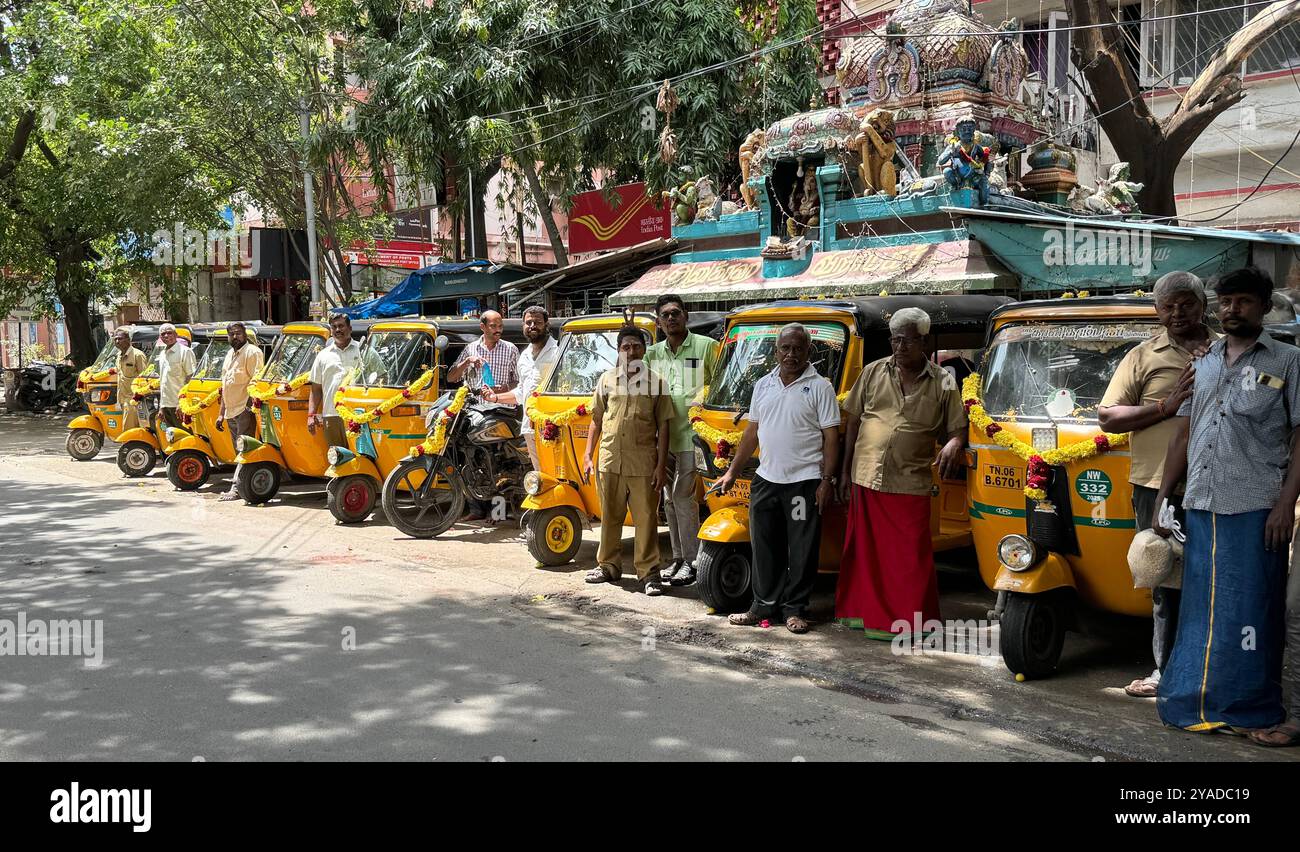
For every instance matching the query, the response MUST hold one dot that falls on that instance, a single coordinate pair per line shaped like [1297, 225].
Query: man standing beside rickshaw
[535, 363]
[1237, 444]
[499, 361]
[684, 360]
[900, 407]
[794, 416]
[176, 366]
[241, 364]
[131, 363]
[331, 366]
[630, 414]
[1143, 398]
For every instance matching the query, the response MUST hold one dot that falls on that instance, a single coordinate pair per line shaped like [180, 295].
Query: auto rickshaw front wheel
[257, 482]
[188, 470]
[84, 444]
[554, 535]
[1033, 632]
[351, 499]
[136, 458]
[723, 576]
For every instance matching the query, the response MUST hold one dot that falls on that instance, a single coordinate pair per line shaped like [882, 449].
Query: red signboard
[595, 226]
[404, 254]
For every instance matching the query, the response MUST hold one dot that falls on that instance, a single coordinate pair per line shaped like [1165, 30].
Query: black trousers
[785, 528]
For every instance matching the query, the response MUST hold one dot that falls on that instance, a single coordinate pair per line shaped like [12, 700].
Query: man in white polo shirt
[176, 366]
[794, 416]
[332, 366]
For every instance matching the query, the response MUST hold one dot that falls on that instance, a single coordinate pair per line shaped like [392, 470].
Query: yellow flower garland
[282, 388]
[559, 420]
[1078, 451]
[86, 377]
[143, 386]
[425, 379]
[434, 444]
[190, 408]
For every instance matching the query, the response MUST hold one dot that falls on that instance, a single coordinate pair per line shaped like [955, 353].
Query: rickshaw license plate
[1004, 476]
[739, 489]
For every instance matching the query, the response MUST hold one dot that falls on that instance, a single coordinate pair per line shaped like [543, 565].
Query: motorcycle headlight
[532, 483]
[1017, 553]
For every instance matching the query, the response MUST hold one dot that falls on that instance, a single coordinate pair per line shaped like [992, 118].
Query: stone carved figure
[1115, 193]
[893, 70]
[875, 142]
[684, 200]
[1008, 63]
[965, 161]
[804, 205]
[998, 175]
[750, 150]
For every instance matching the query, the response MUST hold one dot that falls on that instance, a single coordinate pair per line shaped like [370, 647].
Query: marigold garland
[142, 387]
[86, 377]
[356, 421]
[189, 408]
[434, 444]
[548, 426]
[281, 389]
[1036, 473]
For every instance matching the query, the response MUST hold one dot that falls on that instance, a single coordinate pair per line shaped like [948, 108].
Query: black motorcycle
[484, 458]
[43, 386]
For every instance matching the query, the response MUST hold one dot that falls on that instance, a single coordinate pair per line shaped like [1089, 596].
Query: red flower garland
[550, 431]
[992, 429]
[1102, 442]
[354, 427]
[1037, 473]
[724, 449]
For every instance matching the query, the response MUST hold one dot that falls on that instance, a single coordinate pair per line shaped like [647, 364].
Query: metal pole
[473, 239]
[310, 199]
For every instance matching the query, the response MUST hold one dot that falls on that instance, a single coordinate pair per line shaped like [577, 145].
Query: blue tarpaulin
[405, 297]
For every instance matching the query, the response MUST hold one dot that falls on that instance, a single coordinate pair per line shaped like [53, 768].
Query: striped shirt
[502, 358]
[1239, 440]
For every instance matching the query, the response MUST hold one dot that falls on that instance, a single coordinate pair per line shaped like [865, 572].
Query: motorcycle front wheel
[420, 502]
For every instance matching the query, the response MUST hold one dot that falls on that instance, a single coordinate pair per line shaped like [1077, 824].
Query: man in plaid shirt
[501, 358]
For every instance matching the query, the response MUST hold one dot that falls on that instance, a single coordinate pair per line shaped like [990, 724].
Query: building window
[1176, 49]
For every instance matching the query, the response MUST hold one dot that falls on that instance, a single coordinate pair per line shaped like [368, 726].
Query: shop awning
[949, 267]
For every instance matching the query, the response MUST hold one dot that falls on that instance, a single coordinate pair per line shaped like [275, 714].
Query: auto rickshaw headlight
[532, 483]
[339, 455]
[1017, 553]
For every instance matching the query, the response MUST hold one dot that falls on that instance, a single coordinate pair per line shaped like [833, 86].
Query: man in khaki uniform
[899, 409]
[241, 364]
[131, 364]
[630, 415]
[1143, 397]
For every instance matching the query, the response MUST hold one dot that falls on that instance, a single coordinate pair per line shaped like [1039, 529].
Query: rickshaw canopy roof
[948, 313]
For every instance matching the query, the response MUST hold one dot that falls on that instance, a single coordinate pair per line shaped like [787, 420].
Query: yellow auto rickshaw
[1050, 501]
[561, 501]
[846, 335]
[98, 384]
[142, 446]
[200, 445]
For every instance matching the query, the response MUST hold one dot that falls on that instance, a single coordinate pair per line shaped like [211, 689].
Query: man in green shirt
[685, 362]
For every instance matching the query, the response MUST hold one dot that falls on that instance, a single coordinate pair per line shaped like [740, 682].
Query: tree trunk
[76, 314]
[543, 202]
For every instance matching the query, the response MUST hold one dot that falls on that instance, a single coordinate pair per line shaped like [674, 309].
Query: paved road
[233, 632]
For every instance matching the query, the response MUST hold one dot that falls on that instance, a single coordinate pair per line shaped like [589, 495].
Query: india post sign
[595, 226]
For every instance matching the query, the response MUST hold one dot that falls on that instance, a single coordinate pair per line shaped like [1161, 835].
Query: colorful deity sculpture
[750, 149]
[875, 142]
[965, 160]
[805, 205]
[684, 200]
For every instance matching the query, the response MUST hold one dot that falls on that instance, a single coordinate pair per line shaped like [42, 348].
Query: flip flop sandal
[598, 575]
[744, 619]
[1142, 688]
[795, 624]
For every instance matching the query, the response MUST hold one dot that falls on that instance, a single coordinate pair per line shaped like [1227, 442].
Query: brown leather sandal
[796, 624]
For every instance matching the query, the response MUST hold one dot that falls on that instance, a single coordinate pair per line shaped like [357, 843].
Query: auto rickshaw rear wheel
[136, 458]
[84, 444]
[188, 470]
[257, 482]
[1033, 632]
[723, 574]
[351, 499]
[554, 535]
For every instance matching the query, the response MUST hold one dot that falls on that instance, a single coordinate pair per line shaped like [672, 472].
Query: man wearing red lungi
[898, 410]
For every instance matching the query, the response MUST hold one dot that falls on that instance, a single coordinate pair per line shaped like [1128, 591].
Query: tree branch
[1228, 60]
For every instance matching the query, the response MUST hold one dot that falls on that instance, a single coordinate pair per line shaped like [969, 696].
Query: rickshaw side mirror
[970, 459]
[441, 343]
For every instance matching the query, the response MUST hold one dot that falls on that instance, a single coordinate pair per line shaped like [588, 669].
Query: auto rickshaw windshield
[107, 358]
[749, 353]
[292, 356]
[1056, 371]
[583, 357]
[394, 359]
[214, 358]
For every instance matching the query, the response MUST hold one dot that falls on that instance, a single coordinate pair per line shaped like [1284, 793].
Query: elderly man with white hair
[900, 408]
[176, 366]
[1143, 397]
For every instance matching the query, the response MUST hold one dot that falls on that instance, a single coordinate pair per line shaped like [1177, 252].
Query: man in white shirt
[535, 364]
[332, 366]
[794, 415]
[176, 366]
[241, 364]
